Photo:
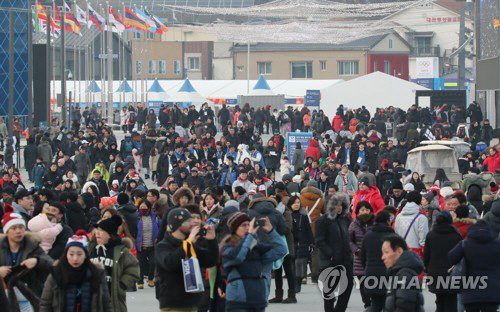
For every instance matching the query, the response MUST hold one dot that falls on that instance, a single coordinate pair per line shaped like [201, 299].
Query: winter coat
[337, 123]
[266, 207]
[246, 266]
[45, 152]
[357, 231]
[419, 228]
[439, 241]
[493, 218]
[53, 296]
[162, 168]
[130, 214]
[352, 182]
[308, 197]
[404, 297]
[9, 152]
[298, 159]
[246, 184]
[371, 253]
[155, 221]
[34, 278]
[38, 172]
[48, 231]
[30, 155]
[481, 251]
[224, 172]
[463, 225]
[332, 239]
[372, 196]
[83, 165]
[75, 217]
[301, 233]
[313, 150]
[271, 158]
[125, 274]
[492, 162]
[168, 255]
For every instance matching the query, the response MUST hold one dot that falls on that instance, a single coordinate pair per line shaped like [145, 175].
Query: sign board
[425, 82]
[292, 139]
[426, 67]
[232, 101]
[313, 98]
[104, 56]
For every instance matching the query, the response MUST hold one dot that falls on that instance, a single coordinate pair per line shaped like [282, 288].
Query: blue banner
[292, 139]
[313, 98]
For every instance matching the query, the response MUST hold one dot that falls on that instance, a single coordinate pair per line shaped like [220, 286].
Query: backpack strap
[411, 224]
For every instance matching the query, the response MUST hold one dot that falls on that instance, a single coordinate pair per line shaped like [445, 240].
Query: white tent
[373, 90]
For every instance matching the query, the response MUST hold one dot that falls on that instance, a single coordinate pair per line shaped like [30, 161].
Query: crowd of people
[107, 216]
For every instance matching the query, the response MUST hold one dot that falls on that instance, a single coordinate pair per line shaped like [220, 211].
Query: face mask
[365, 217]
[144, 212]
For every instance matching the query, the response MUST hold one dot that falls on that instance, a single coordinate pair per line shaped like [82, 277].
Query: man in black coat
[162, 168]
[101, 184]
[30, 154]
[404, 266]
[170, 252]
[223, 115]
[129, 212]
[57, 249]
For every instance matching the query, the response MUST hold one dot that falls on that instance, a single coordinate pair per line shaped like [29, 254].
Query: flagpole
[63, 67]
[119, 63]
[54, 59]
[110, 68]
[30, 70]
[49, 68]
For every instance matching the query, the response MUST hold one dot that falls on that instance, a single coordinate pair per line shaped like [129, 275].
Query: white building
[433, 31]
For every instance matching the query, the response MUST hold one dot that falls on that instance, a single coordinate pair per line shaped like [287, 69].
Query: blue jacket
[481, 252]
[156, 224]
[38, 172]
[223, 175]
[246, 266]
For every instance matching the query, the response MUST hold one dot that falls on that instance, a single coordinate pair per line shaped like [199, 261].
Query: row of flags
[138, 20]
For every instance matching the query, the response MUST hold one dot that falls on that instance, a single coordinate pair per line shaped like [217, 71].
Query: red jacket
[463, 225]
[493, 162]
[337, 123]
[372, 196]
[313, 150]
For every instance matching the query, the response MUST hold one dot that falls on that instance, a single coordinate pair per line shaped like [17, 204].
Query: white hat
[409, 187]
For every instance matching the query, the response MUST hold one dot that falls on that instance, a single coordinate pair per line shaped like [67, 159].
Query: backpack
[132, 118]
[137, 141]
[461, 132]
[129, 145]
[481, 147]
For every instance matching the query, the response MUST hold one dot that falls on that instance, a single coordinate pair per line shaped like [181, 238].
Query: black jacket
[162, 168]
[57, 249]
[102, 187]
[264, 207]
[439, 241]
[75, 217]
[302, 234]
[30, 154]
[131, 215]
[402, 297]
[371, 253]
[168, 256]
[332, 239]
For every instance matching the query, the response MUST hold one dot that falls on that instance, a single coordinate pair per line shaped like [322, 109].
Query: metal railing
[425, 51]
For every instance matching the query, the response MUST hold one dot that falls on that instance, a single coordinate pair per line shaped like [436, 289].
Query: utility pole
[63, 68]
[110, 66]
[461, 54]
[48, 73]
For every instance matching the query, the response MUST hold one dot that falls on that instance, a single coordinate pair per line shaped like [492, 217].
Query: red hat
[10, 218]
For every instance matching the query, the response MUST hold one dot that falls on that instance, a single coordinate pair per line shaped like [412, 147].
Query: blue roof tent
[93, 87]
[124, 87]
[155, 87]
[187, 87]
[262, 84]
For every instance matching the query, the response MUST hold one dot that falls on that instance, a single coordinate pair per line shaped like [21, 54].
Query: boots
[291, 297]
[279, 296]
[298, 284]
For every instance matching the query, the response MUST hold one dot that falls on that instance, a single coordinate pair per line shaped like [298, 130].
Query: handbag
[459, 269]
[278, 263]
[193, 282]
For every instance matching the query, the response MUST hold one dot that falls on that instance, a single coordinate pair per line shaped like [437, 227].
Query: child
[115, 188]
[285, 166]
[153, 163]
[47, 226]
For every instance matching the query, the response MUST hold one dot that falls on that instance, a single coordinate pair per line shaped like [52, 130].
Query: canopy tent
[93, 87]
[157, 93]
[188, 94]
[124, 87]
[372, 91]
[124, 93]
[261, 87]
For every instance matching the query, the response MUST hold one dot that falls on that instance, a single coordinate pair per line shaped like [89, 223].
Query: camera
[202, 232]
[261, 222]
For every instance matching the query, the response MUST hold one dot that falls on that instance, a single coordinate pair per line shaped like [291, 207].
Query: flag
[131, 20]
[42, 14]
[70, 22]
[95, 18]
[81, 15]
[116, 21]
[496, 23]
[151, 25]
[160, 27]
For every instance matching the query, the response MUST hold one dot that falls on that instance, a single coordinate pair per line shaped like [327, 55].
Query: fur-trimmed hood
[312, 190]
[465, 220]
[183, 191]
[255, 202]
[331, 212]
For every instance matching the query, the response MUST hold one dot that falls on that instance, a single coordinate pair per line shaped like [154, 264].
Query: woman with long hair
[440, 177]
[417, 182]
[245, 262]
[210, 207]
[147, 231]
[76, 284]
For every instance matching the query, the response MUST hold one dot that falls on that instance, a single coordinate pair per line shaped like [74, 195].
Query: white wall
[398, 46]
[222, 68]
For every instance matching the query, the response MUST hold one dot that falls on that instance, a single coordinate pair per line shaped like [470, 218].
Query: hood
[495, 208]
[465, 220]
[409, 260]
[39, 222]
[129, 207]
[263, 205]
[480, 232]
[382, 228]
[311, 193]
[183, 191]
[482, 179]
[86, 186]
[88, 200]
[331, 212]
[410, 209]
[313, 143]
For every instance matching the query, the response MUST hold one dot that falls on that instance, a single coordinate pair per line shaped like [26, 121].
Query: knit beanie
[409, 187]
[414, 197]
[232, 203]
[78, 240]
[397, 185]
[10, 218]
[176, 218]
[235, 220]
[444, 217]
[428, 196]
[122, 199]
[110, 225]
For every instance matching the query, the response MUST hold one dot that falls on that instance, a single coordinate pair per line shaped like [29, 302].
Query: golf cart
[460, 147]
[428, 158]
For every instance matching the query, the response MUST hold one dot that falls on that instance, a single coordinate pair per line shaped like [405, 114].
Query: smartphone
[202, 232]
[261, 222]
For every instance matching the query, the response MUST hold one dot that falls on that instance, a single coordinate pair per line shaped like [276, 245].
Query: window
[162, 67]
[150, 36]
[264, 68]
[137, 35]
[177, 67]
[301, 70]
[423, 45]
[322, 65]
[152, 67]
[240, 68]
[375, 66]
[193, 63]
[348, 68]
[138, 67]
[387, 67]
[390, 43]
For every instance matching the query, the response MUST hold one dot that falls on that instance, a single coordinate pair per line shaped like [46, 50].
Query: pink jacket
[47, 230]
